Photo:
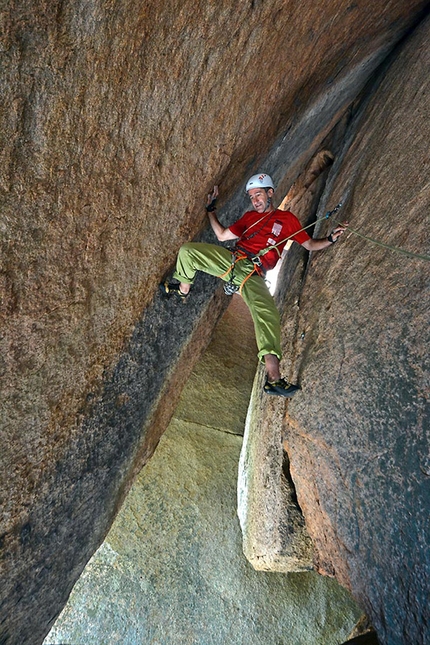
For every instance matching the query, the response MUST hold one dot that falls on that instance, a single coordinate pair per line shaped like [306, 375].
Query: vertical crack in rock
[274, 529]
[358, 434]
[106, 113]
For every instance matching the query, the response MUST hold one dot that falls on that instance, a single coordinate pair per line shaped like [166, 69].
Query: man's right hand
[211, 202]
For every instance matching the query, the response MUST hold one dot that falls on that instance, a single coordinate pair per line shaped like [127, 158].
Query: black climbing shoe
[169, 289]
[280, 388]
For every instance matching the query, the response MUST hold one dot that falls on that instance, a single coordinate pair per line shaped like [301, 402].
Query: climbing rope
[397, 249]
[230, 288]
[320, 219]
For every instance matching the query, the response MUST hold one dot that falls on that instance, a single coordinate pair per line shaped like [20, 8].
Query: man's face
[259, 198]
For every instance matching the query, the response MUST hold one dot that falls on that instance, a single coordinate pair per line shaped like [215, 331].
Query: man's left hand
[337, 232]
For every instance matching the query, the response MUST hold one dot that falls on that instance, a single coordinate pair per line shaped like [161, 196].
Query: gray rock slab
[172, 571]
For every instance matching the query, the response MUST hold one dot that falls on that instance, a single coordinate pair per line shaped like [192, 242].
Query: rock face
[274, 532]
[357, 436]
[116, 120]
[171, 569]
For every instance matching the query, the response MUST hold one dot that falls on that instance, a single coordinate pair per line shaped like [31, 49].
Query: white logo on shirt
[277, 228]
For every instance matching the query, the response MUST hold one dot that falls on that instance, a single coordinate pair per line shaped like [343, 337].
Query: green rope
[410, 254]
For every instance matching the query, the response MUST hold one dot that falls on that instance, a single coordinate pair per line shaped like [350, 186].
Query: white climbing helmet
[260, 181]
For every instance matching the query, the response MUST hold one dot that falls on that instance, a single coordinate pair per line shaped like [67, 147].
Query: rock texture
[116, 119]
[171, 569]
[274, 532]
[219, 386]
[357, 436]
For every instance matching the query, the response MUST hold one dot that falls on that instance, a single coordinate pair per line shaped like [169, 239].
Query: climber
[260, 237]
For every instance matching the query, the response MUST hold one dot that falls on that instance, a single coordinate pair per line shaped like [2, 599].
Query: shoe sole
[284, 393]
[168, 293]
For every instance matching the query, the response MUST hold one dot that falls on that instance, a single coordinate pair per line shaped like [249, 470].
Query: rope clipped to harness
[320, 219]
[230, 288]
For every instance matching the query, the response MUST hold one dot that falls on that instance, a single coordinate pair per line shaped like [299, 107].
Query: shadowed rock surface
[219, 386]
[116, 119]
[171, 569]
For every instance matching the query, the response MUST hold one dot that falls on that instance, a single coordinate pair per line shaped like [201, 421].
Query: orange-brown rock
[116, 120]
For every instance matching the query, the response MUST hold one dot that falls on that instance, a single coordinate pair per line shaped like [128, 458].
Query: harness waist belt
[252, 258]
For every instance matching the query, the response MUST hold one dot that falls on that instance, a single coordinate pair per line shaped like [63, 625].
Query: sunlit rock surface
[171, 570]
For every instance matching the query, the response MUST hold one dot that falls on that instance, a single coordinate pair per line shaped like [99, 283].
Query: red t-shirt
[256, 231]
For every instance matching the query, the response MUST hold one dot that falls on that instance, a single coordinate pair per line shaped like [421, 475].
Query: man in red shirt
[260, 235]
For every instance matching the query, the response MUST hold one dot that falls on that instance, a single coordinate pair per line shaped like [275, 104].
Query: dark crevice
[369, 638]
[287, 474]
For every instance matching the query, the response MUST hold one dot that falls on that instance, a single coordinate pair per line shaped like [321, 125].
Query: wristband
[210, 208]
[331, 238]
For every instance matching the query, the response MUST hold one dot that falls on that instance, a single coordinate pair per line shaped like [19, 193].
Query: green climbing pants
[216, 260]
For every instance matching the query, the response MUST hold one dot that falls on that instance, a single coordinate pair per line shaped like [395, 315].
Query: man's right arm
[222, 234]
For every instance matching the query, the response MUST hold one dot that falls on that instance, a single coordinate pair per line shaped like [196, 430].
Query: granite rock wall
[171, 569]
[116, 119]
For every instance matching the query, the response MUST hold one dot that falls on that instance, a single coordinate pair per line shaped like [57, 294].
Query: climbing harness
[229, 287]
[240, 254]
